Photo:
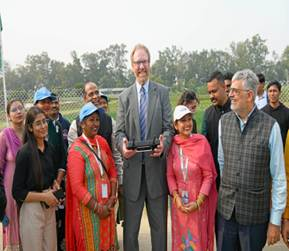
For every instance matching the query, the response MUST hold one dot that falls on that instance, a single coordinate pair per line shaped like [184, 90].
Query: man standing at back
[144, 112]
[90, 93]
[276, 109]
[261, 99]
[220, 105]
[252, 195]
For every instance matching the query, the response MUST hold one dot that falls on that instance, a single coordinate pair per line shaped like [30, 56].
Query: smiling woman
[34, 184]
[191, 179]
[91, 188]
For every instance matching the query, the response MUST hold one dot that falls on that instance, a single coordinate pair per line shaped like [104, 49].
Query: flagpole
[3, 71]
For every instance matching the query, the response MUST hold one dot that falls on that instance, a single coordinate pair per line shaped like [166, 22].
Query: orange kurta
[84, 229]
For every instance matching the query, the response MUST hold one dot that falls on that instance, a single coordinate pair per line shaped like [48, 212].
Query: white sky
[60, 26]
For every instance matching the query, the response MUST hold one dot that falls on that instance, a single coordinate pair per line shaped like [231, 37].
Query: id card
[185, 197]
[104, 191]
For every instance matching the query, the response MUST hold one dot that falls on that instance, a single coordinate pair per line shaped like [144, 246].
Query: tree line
[110, 67]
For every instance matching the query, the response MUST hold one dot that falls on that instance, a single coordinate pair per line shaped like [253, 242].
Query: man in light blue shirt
[250, 156]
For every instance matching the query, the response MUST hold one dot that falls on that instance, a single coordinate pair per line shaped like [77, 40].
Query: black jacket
[281, 114]
[2, 199]
[210, 127]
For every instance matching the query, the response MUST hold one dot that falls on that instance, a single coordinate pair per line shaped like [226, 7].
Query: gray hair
[250, 79]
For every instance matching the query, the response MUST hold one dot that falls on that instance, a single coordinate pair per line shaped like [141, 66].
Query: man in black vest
[252, 194]
[220, 105]
[91, 94]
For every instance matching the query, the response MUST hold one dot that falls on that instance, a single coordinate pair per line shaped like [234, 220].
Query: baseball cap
[181, 111]
[41, 94]
[88, 109]
[102, 95]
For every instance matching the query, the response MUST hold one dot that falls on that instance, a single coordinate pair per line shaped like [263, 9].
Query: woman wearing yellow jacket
[285, 222]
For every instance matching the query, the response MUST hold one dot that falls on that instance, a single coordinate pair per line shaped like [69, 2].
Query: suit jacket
[158, 122]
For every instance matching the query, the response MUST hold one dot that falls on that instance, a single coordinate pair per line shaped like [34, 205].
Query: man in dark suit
[144, 112]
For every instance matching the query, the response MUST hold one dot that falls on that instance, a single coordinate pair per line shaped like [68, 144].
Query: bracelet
[95, 206]
[198, 206]
[175, 197]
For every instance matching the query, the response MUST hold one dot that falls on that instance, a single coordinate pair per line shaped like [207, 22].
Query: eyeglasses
[238, 91]
[91, 94]
[141, 62]
[16, 109]
[40, 123]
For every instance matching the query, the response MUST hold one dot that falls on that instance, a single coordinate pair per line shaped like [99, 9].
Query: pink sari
[193, 231]
[9, 146]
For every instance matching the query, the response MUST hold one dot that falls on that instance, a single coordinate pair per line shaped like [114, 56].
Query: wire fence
[71, 101]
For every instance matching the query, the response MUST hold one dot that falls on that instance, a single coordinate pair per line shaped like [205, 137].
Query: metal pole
[3, 74]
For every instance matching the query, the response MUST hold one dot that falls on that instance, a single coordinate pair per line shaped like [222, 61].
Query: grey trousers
[157, 216]
[37, 227]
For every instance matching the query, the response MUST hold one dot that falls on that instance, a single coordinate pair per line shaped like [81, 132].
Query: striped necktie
[143, 113]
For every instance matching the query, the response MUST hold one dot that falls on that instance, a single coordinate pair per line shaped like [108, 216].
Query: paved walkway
[144, 237]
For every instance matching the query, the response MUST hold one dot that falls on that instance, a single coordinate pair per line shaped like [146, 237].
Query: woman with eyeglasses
[32, 185]
[10, 142]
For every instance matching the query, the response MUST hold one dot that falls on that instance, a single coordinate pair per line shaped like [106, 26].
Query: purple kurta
[9, 146]
[193, 231]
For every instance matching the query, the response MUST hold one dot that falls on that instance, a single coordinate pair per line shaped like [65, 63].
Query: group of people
[228, 183]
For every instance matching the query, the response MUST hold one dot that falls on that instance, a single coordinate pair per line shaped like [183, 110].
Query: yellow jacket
[286, 156]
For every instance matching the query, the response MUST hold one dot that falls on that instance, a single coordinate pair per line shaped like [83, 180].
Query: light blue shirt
[277, 169]
[138, 87]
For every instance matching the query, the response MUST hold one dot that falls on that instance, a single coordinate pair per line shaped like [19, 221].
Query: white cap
[181, 111]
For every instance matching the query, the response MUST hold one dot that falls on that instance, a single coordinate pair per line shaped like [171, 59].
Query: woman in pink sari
[10, 142]
[191, 178]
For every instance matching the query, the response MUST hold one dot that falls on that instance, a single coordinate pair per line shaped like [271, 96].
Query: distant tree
[250, 54]
[74, 71]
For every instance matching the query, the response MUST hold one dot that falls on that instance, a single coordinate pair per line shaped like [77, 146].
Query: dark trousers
[233, 236]
[157, 216]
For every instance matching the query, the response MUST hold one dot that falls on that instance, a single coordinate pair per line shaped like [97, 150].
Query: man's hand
[273, 234]
[125, 152]
[285, 232]
[159, 149]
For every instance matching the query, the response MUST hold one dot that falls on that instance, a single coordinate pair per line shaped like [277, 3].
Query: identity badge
[104, 191]
[185, 197]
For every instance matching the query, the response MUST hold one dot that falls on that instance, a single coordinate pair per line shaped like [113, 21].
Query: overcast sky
[60, 26]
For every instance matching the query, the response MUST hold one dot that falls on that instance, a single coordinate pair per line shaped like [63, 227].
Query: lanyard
[184, 163]
[98, 153]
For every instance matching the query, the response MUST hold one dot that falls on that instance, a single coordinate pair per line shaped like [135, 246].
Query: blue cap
[41, 94]
[88, 109]
[102, 95]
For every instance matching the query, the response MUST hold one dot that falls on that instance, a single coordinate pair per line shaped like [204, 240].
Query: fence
[71, 101]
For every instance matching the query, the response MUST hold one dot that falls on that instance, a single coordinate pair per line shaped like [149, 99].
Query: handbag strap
[98, 158]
